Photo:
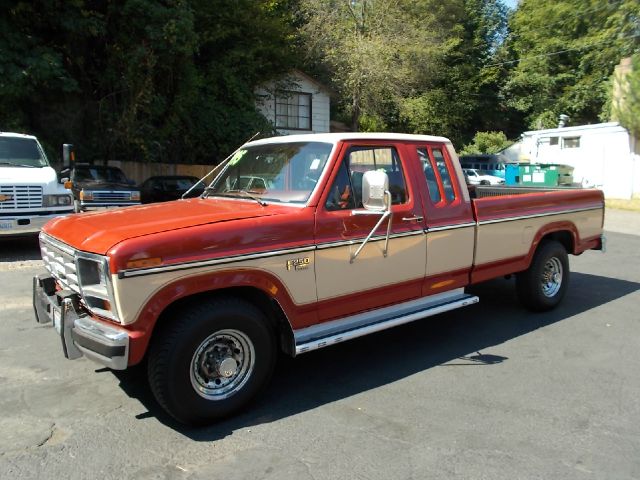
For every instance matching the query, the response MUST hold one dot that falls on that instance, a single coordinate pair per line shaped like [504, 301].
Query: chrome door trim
[450, 227]
[376, 238]
[208, 263]
[537, 215]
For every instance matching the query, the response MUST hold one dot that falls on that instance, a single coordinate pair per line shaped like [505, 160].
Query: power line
[551, 54]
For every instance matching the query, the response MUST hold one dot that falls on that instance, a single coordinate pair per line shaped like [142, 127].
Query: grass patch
[623, 204]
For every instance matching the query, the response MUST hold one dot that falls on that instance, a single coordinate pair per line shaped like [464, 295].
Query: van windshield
[21, 152]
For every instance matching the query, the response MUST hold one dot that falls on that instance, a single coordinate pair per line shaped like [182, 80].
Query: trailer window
[571, 142]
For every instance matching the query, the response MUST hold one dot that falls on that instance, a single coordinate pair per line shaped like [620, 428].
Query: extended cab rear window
[437, 174]
[346, 191]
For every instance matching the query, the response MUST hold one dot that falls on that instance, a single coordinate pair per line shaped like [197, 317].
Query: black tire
[184, 378]
[539, 288]
[485, 182]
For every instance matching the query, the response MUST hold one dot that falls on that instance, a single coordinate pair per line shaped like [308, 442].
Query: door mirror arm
[376, 200]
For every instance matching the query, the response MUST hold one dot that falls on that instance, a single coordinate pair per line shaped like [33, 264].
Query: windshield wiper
[17, 165]
[231, 193]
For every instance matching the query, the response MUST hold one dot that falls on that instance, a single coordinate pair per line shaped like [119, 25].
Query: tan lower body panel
[134, 292]
[512, 239]
[337, 277]
[450, 250]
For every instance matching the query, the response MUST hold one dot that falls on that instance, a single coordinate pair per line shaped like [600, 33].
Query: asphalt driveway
[490, 391]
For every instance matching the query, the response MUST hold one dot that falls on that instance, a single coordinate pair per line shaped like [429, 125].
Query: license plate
[6, 225]
[57, 319]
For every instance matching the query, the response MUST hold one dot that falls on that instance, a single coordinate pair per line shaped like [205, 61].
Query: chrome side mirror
[375, 185]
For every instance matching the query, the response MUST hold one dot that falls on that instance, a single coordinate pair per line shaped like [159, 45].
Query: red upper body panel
[535, 203]
[97, 232]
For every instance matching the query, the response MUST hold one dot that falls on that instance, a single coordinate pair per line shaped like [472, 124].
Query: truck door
[450, 227]
[346, 285]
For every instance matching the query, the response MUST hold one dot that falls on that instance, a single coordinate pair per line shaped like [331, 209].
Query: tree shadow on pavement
[453, 338]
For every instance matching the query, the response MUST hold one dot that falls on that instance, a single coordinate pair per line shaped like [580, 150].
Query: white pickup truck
[30, 193]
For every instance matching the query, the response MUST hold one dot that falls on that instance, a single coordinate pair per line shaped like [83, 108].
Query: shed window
[293, 110]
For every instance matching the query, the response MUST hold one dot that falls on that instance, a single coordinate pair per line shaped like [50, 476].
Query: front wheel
[212, 361]
[543, 285]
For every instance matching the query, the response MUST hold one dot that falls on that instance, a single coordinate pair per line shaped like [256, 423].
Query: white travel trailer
[603, 155]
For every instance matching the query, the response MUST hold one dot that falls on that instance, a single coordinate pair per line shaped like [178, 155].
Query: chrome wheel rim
[551, 277]
[222, 364]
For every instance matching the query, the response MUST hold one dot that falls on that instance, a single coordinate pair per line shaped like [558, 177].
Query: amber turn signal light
[144, 262]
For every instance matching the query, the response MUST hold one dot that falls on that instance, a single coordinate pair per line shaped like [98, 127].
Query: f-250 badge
[298, 263]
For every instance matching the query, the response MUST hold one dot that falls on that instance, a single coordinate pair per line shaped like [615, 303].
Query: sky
[510, 3]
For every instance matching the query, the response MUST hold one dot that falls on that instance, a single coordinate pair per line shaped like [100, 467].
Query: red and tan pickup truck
[298, 243]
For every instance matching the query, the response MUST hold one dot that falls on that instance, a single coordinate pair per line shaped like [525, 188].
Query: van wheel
[543, 285]
[212, 360]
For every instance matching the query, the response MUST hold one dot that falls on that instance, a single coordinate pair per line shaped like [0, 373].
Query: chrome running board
[337, 331]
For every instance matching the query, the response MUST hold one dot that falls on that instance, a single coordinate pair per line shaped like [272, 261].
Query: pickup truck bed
[511, 225]
[335, 236]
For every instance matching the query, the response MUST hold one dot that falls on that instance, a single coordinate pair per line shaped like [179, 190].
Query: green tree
[140, 79]
[562, 55]
[626, 109]
[486, 142]
[460, 96]
[376, 51]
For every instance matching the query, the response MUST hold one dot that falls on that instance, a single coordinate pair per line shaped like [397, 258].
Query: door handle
[412, 219]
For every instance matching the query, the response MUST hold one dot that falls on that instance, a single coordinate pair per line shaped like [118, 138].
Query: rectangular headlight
[95, 285]
[56, 200]
[86, 195]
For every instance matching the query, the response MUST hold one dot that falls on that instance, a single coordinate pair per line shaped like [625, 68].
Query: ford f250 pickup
[298, 243]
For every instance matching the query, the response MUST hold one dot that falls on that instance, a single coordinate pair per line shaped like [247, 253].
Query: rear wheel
[544, 284]
[212, 361]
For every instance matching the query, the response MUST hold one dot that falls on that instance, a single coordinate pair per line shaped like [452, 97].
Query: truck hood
[98, 232]
[97, 185]
[27, 176]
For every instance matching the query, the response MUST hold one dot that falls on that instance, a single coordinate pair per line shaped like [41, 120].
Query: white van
[30, 193]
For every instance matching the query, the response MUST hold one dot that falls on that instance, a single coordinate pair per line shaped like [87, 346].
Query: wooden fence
[139, 171]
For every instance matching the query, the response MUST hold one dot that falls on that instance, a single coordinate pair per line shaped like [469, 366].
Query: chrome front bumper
[80, 334]
[15, 226]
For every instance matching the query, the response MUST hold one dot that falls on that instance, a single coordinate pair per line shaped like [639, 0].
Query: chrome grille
[59, 259]
[107, 196]
[20, 196]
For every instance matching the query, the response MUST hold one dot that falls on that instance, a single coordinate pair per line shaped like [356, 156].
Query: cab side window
[341, 193]
[346, 191]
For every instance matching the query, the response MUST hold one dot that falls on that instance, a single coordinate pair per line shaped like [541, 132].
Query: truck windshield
[21, 152]
[280, 172]
[99, 174]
